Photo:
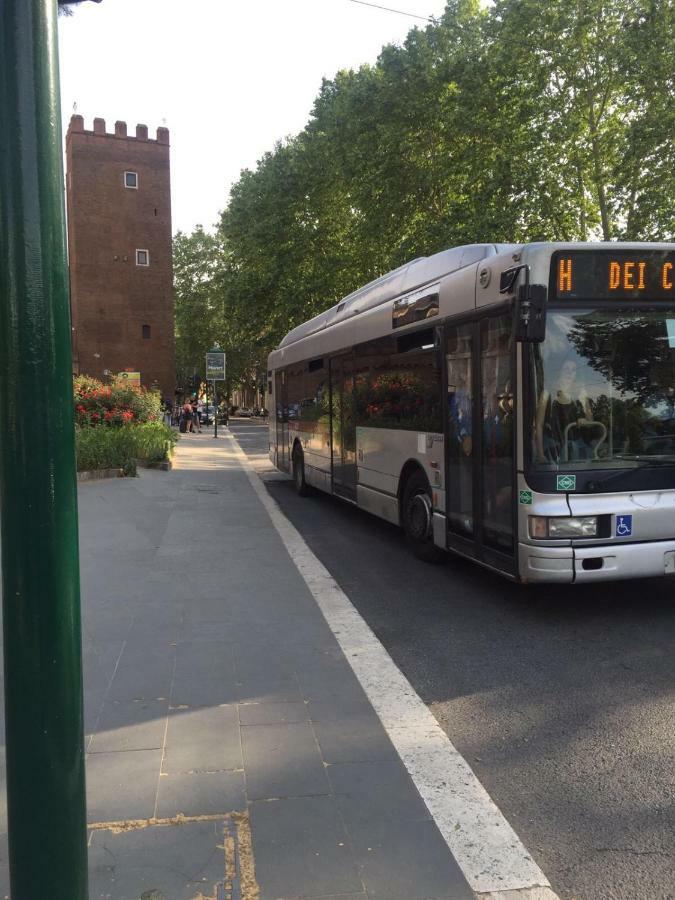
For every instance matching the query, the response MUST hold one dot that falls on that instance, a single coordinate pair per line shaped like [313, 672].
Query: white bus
[514, 404]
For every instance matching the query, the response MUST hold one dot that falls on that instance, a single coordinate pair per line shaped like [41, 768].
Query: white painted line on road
[495, 863]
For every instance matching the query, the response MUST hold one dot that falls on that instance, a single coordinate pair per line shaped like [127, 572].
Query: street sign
[130, 378]
[215, 365]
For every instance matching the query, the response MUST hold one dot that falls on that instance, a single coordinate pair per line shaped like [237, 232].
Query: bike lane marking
[494, 861]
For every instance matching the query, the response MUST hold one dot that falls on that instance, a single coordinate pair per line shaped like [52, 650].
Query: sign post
[215, 371]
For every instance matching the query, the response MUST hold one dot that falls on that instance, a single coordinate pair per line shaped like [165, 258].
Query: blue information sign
[624, 526]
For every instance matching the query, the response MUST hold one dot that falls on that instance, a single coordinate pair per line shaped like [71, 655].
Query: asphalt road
[561, 698]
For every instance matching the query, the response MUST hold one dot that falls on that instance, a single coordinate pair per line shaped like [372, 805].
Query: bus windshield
[604, 389]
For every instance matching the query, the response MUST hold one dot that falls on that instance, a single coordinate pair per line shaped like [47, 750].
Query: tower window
[142, 258]
[131, 180]
[146, 332]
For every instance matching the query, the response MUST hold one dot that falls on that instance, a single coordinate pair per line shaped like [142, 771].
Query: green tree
[197, 259]
[519, 121]
[206, 312]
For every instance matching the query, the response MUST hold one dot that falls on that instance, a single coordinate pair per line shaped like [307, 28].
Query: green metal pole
[38, 497]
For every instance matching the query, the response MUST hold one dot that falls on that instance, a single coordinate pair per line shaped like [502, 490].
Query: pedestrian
[167, 407]
[186, 417]
[196, 422]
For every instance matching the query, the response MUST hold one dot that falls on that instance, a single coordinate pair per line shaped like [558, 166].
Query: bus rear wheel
[301, 487]
[417, 519]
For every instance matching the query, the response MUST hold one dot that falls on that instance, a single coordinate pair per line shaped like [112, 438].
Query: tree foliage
[519, 121]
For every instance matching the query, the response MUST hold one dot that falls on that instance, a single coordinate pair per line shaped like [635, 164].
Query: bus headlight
[563, 527]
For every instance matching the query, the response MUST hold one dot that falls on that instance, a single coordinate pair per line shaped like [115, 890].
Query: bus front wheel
[301, 486]
[416, 516]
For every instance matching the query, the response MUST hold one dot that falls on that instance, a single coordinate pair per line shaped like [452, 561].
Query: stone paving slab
[200, 793]
[133, 864]
[306, 846]
[214, 690]
[202, 739]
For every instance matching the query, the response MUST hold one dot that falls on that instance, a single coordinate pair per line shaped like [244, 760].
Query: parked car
[244, 412]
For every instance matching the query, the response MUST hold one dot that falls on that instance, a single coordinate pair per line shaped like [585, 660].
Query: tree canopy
[520, 121]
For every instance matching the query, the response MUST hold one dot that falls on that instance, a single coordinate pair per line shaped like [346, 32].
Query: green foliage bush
[105, 448]
[119, 448]
[153, 441]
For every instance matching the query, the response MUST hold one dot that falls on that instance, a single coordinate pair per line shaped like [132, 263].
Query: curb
[164, 464]
[98, 474]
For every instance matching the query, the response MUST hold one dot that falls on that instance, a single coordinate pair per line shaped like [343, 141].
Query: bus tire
[302, 489]
[416, 517]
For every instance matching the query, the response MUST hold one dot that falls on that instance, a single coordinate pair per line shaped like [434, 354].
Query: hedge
[119, 448]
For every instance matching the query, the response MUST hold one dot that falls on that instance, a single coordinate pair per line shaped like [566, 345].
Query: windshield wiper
[648, 461]
[645, 463]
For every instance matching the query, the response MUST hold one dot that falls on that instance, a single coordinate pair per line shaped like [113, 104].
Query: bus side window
[397, 384]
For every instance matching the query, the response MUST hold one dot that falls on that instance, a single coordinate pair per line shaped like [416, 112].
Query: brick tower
[119, 240]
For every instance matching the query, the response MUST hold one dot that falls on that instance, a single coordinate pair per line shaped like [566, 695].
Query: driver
[568, 406]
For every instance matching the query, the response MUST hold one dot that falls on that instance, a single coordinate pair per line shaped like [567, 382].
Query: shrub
[154, 441]
[115, 405]
[119, 448]
[105, 448]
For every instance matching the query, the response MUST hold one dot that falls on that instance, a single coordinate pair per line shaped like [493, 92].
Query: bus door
[480, 436]
[343, 426]
[281, 413]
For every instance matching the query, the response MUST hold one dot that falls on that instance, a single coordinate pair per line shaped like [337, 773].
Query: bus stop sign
[215, 366]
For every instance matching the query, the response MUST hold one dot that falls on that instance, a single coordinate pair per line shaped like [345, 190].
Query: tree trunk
[597, 176]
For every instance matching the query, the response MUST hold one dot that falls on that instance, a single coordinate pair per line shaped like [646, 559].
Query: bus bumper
[610, 562]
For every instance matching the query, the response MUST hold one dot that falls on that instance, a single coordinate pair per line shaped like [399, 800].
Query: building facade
[119, 242]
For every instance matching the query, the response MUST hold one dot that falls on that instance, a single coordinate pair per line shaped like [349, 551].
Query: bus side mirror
[530, 313]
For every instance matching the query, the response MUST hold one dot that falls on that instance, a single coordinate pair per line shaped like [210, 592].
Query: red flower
[95, 417]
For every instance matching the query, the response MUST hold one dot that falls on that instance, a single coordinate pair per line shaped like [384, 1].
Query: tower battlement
[76, 126]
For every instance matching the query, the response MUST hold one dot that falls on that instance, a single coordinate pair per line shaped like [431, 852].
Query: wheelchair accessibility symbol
[624, 526]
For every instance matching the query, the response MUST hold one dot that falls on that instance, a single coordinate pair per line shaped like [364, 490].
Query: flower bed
[116, 404]
[118, 424]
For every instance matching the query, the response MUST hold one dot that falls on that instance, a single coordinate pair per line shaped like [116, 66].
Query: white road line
[495, 863]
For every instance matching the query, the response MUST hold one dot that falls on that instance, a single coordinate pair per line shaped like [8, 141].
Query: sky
[228, 78]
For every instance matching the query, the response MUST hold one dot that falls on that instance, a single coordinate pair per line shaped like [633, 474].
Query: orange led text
[629, 275]
[667, 276]
[565, 275]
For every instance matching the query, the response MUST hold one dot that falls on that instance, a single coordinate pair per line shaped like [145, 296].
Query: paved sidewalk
[231, 750]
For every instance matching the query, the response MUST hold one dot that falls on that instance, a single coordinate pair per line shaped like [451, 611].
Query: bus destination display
[624, 275]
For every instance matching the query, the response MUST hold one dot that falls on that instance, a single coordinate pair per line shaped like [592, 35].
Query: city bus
[513, 404]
